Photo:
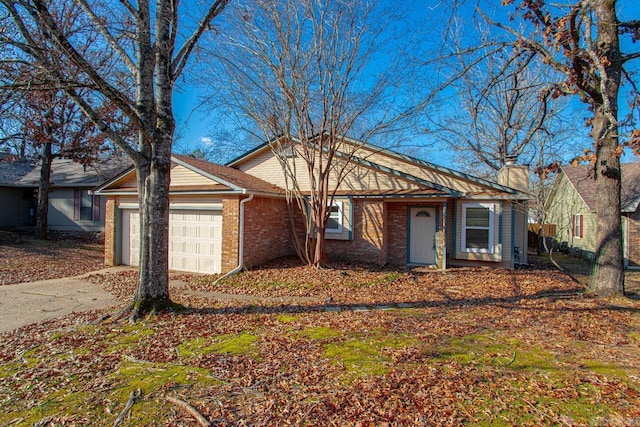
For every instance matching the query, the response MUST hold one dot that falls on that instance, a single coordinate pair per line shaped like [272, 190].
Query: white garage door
[130, 237]
[195, 240]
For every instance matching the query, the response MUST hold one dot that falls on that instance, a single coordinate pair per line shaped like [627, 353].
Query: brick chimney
[514, 176]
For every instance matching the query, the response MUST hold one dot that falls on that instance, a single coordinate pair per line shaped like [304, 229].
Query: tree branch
[108, 36]
[181, 58]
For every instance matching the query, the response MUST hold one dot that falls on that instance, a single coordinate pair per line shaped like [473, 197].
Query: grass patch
[543, 410]
[494, 350]
[366, 356]
[152, 378]
[319, 333]
[604, 369]
[283, 318]
[234, 344]
[123, 338]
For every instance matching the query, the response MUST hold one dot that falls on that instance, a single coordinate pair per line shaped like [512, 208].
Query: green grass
[361, 355]
[234, 344]
[492, 349]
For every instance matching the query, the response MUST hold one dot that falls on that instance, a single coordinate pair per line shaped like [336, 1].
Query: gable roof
[233, 178]
[12, 171]
[65, 173]
[223, 179]
[413, 162]
[582, 179]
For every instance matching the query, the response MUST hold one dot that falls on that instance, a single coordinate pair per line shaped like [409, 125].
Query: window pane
[477, 239]
[477, 217]
[86, 205]
[333, 223]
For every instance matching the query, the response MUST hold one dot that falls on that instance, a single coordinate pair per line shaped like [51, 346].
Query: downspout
[240, 241]
[444, 235]
[513, 236]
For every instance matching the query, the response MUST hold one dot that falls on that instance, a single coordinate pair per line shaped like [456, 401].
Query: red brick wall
[110, 231]
[267, 233]
[230, 231]
[397, 231]
[633, 238]
[368, 234]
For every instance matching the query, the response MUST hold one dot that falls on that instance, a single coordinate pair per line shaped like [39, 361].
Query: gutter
[240, 241]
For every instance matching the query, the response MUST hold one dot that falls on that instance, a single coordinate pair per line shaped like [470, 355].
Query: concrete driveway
[26, 303]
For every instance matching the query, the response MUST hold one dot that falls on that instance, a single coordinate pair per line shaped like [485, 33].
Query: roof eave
[205, 174]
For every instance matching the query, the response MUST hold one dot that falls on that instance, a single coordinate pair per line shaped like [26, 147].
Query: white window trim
[463, 243]
[340, 219]
[576, 226]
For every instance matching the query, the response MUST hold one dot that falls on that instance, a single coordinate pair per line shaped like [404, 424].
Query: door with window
[422, 236]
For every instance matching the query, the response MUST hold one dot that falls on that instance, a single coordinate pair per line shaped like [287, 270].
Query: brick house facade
[390, 209]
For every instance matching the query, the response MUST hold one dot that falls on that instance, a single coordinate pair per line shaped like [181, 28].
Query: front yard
[349, 346]
[35, 259]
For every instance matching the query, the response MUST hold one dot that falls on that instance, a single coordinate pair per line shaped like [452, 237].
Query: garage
[195, 240]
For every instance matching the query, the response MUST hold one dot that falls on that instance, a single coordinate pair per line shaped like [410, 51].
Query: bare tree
[302, 72]
[54, 126]
[581, 41]
[139, 51]
[503, 110]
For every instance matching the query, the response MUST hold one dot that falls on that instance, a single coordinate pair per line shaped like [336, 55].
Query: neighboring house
[391, 208]
[72, 207]
[571, 207]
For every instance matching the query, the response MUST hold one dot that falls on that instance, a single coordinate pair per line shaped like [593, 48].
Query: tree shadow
[509, 302]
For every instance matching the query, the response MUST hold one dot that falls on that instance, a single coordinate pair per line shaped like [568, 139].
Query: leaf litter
[377, 346]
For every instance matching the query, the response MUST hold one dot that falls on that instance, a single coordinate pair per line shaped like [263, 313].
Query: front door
[422, 237]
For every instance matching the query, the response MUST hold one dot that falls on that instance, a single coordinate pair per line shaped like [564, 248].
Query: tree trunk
[608, 275]
[44, 188]
[152, 294]
[318, 252]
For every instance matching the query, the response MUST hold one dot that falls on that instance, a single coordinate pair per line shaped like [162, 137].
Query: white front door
[422, 237]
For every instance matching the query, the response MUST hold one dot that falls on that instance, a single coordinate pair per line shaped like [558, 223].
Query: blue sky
[195, 122]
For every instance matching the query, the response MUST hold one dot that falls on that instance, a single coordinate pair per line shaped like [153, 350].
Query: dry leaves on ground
[40, 260]
[407, 347]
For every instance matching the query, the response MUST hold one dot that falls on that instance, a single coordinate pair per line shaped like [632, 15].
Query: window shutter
[581, 229]
[573, 226]
[96, 208]
[76, 205]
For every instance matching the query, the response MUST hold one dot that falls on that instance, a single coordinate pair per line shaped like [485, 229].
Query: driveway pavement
[26, 303]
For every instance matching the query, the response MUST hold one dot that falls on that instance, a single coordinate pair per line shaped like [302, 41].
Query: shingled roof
[64, 173]
[12, 171]
[582, 178]
[232, 176]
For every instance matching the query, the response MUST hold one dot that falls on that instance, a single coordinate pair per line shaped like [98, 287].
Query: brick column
[230, 233]
[373, 223]
[110, 231]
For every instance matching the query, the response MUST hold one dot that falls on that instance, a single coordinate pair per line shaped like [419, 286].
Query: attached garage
[206, 211]
[195, 240]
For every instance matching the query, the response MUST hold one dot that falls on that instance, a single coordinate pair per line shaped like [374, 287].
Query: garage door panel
[195, 240]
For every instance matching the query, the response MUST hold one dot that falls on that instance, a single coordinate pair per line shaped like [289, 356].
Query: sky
[195, 123]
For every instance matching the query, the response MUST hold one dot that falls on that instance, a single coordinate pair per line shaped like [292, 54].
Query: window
[86, 207]
[477, 227]
[334, 223]
[577, 226]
